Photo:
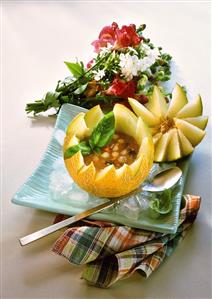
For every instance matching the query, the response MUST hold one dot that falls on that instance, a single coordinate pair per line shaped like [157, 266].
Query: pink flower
[122, 89]
[106, 35]
[120, 38]
[127, 36]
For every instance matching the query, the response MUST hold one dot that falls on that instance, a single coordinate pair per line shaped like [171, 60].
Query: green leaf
[82, 146]
[81, 89]
[51, 99]
[75, 68]
[162, 204]
[103, 132]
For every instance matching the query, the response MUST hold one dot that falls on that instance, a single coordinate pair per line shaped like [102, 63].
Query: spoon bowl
[164, 180]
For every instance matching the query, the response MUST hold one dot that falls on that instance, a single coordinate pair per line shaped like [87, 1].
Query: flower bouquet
[125, 64]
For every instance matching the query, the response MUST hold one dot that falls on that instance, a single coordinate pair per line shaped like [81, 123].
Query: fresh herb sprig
[162, 205]
[87, 87]
[101, 136]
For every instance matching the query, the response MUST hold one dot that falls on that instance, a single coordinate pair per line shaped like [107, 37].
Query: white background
[37, 37]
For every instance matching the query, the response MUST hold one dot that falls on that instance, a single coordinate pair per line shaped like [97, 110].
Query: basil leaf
[75, 68]
[103, 132]
[82, 146]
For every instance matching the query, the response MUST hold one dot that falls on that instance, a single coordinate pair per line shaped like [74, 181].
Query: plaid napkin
[112, 252]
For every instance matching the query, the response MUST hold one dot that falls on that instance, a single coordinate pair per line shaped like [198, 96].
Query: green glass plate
[50, 188]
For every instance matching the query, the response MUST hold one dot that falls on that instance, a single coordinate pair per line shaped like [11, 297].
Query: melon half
[176, 127]
[109, 182]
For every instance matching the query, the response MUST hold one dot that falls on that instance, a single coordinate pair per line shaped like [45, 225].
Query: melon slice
[148, 117]
[191, 109]
[161, 148]
[173, 150]
[193, 133]
[199, 121]
[178, 101]
[185, 144]
[157, 104]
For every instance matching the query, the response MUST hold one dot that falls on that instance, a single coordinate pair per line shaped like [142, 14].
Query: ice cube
[78, 198]
[129, 208]
[60, 183]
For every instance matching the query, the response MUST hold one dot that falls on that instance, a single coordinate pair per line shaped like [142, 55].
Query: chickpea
[121, 141]
[122, 159]
[105, 155]
[116, 148]
[124, 152]
[115, 154]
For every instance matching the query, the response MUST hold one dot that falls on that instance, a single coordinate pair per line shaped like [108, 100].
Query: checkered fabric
[111, 252]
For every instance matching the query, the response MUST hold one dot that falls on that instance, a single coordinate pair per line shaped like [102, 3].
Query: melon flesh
[156, 138]
[192, 109]
[157, 104]
[160, 150]
[199, 121]
[78, 127]
[148, 117]
[125, 120]
[178, 101]
[193, 134]
[93, 116]
[173, 150]
[185, 144]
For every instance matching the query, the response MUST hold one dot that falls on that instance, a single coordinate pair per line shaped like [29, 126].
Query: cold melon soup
[122, 149]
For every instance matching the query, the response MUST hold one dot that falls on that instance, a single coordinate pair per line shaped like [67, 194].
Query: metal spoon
[163, 180]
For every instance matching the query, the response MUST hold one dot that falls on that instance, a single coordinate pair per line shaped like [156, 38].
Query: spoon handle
[53, 228]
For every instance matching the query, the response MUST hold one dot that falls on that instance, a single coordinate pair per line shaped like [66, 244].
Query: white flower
[147, 51]
[130, 65]
[98, 75]
[105, 50]
[146, 62]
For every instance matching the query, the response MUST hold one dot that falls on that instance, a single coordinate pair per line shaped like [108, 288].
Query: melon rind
[111, 182]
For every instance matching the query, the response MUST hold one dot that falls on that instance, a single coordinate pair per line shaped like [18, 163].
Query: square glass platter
[51, 188]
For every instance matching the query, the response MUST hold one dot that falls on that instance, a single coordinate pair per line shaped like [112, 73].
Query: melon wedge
[156, 138]
[140, 110]
[192, 109]
[161, 149]
[157, 104]
[199, 121]
[173, 150]
[178, 101]
[191, 132]
[185, 145]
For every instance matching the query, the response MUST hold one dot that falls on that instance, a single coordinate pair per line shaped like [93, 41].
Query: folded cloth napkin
[112, 252]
